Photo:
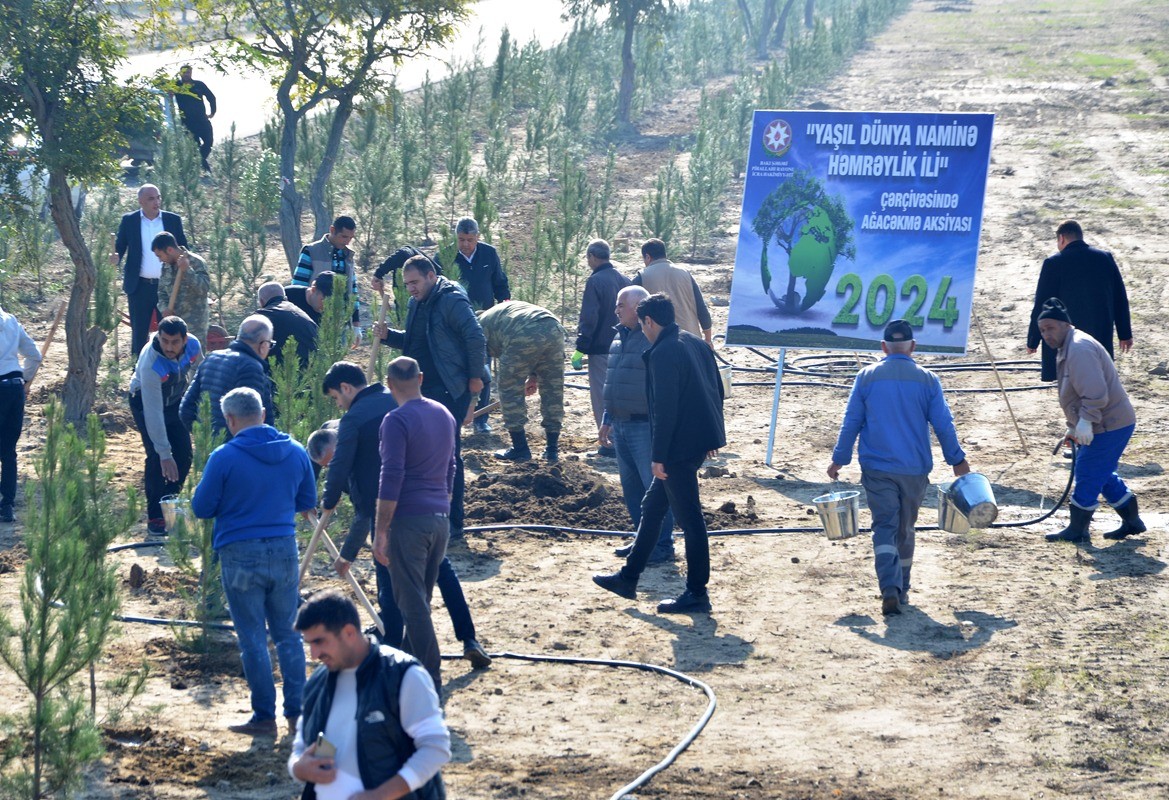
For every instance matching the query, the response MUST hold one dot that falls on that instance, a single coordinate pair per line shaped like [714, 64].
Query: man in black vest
[370, 712]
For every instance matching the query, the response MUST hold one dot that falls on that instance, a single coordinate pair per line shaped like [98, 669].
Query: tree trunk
[625, 94]
[83, 342]
[781, 28]
[809, 17]
[765, 23]
[290, 199]
[748, 27]
[316, 193]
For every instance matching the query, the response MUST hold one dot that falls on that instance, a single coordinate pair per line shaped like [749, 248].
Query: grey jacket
[1089, 387]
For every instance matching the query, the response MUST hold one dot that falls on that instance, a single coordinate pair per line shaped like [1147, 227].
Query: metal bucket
[724, 372]
[839, 514]
[174, 508]
[966, 503]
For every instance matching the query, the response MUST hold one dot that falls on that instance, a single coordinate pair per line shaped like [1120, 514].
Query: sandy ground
[1021, 669]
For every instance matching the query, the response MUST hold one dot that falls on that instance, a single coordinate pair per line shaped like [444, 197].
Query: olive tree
[320, 52]
[60, 97]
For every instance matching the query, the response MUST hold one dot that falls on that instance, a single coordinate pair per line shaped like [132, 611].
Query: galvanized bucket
[966, 503]
[839, 514]
[724, 372]
[174, 508]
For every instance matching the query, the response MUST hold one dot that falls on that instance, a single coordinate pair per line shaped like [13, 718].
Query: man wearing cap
[287, 321]
[892, 406]
[1100, 420]
[311, 299]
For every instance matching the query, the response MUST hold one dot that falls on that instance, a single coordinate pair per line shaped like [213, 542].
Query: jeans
[417, 548]
[260, 581]
[894, 501]
[458, 408]
[677, 493]
[452, 597]
[1096, 469]
[11, 423]
[179, 438]
[631, 440]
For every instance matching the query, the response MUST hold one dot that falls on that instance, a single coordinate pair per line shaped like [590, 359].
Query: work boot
[1131, 520]
[6, 514]
[519, 450]
[891, 604]
[1077, 529]
[552, 449]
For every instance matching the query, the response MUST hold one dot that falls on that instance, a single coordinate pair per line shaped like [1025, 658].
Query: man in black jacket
[598, 322]
[287, 320]
[311, 299]
[686, 419]
[189, 97]
[243, 363]
[141, 268]
[444, 337]
[1088, 282]
[351, 453]
[375, 707]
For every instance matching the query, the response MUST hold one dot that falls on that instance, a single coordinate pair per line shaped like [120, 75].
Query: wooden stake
[377, 343]
[1002, 389]
[45, 345]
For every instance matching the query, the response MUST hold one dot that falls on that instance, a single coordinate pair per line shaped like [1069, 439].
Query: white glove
[1083, 434]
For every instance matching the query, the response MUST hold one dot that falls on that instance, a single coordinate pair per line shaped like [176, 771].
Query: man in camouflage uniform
[529, 343]
[191, 303]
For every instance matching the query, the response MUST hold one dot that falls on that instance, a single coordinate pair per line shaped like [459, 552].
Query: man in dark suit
[141, 268]
[1088, 282]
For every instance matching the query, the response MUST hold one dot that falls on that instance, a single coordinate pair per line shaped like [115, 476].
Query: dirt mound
[533, 492]
[144, 757]
[12, 560]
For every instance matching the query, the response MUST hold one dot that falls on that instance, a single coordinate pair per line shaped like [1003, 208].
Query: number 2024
[881, 300]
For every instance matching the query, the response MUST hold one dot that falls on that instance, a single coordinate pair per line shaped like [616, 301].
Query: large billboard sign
[852, 219]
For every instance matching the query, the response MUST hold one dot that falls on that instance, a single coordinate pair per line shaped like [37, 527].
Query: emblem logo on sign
[777, 137]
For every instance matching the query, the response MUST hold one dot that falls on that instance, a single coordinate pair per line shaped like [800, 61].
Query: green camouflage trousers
[542, 356]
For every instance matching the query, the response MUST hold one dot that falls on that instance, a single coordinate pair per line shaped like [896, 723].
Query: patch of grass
[1033, 684]
[1101, 65]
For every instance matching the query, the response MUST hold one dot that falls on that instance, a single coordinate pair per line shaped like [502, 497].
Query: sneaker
[6, 514]
[474, 652]
[617, 584]
[685, 603]
[156, 527]
[481, 425]
[623, 552]
[891, 605]
[255, 727]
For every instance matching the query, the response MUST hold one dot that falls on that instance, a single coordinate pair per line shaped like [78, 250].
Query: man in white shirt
[141, 268]
[15, 347]
[360, 749]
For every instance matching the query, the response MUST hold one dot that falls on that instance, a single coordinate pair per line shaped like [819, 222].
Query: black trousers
[458, 408]
[11, 423]
[200, 128]
[678, 493]
[158, 487]
[142, 303]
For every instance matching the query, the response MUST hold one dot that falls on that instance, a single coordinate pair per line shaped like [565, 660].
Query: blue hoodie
[254, 486]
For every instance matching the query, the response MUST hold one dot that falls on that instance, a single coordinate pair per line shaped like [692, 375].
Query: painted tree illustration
[813, 228]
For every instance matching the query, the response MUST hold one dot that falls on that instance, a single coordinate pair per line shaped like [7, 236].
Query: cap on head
[1053, 308]
[324, 283]
[898, 331]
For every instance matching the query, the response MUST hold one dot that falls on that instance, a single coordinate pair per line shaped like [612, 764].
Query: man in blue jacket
[893, 405]
[253, 487]
[685, 396]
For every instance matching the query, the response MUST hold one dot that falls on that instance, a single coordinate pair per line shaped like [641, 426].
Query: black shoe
[662, 554]
[474, 652]
[254, 727]
[685, 603]
[519, 450]
[156, 527]
[6, 514]
[1077, 530]
[617, 584]
[1128, 512]
[623, 552]
[891, 605]
[606, 452]
[481, 425]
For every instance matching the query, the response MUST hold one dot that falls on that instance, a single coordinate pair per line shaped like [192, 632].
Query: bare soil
[1021, 669]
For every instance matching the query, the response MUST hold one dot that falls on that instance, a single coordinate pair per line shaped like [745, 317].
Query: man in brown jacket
[1100, 420]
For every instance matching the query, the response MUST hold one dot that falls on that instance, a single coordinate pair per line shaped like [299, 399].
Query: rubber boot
[1077, 529]
[1131, 520]
[552, 449]
[519, 450]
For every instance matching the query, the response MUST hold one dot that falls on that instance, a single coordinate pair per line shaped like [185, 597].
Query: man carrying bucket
[892, 407]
